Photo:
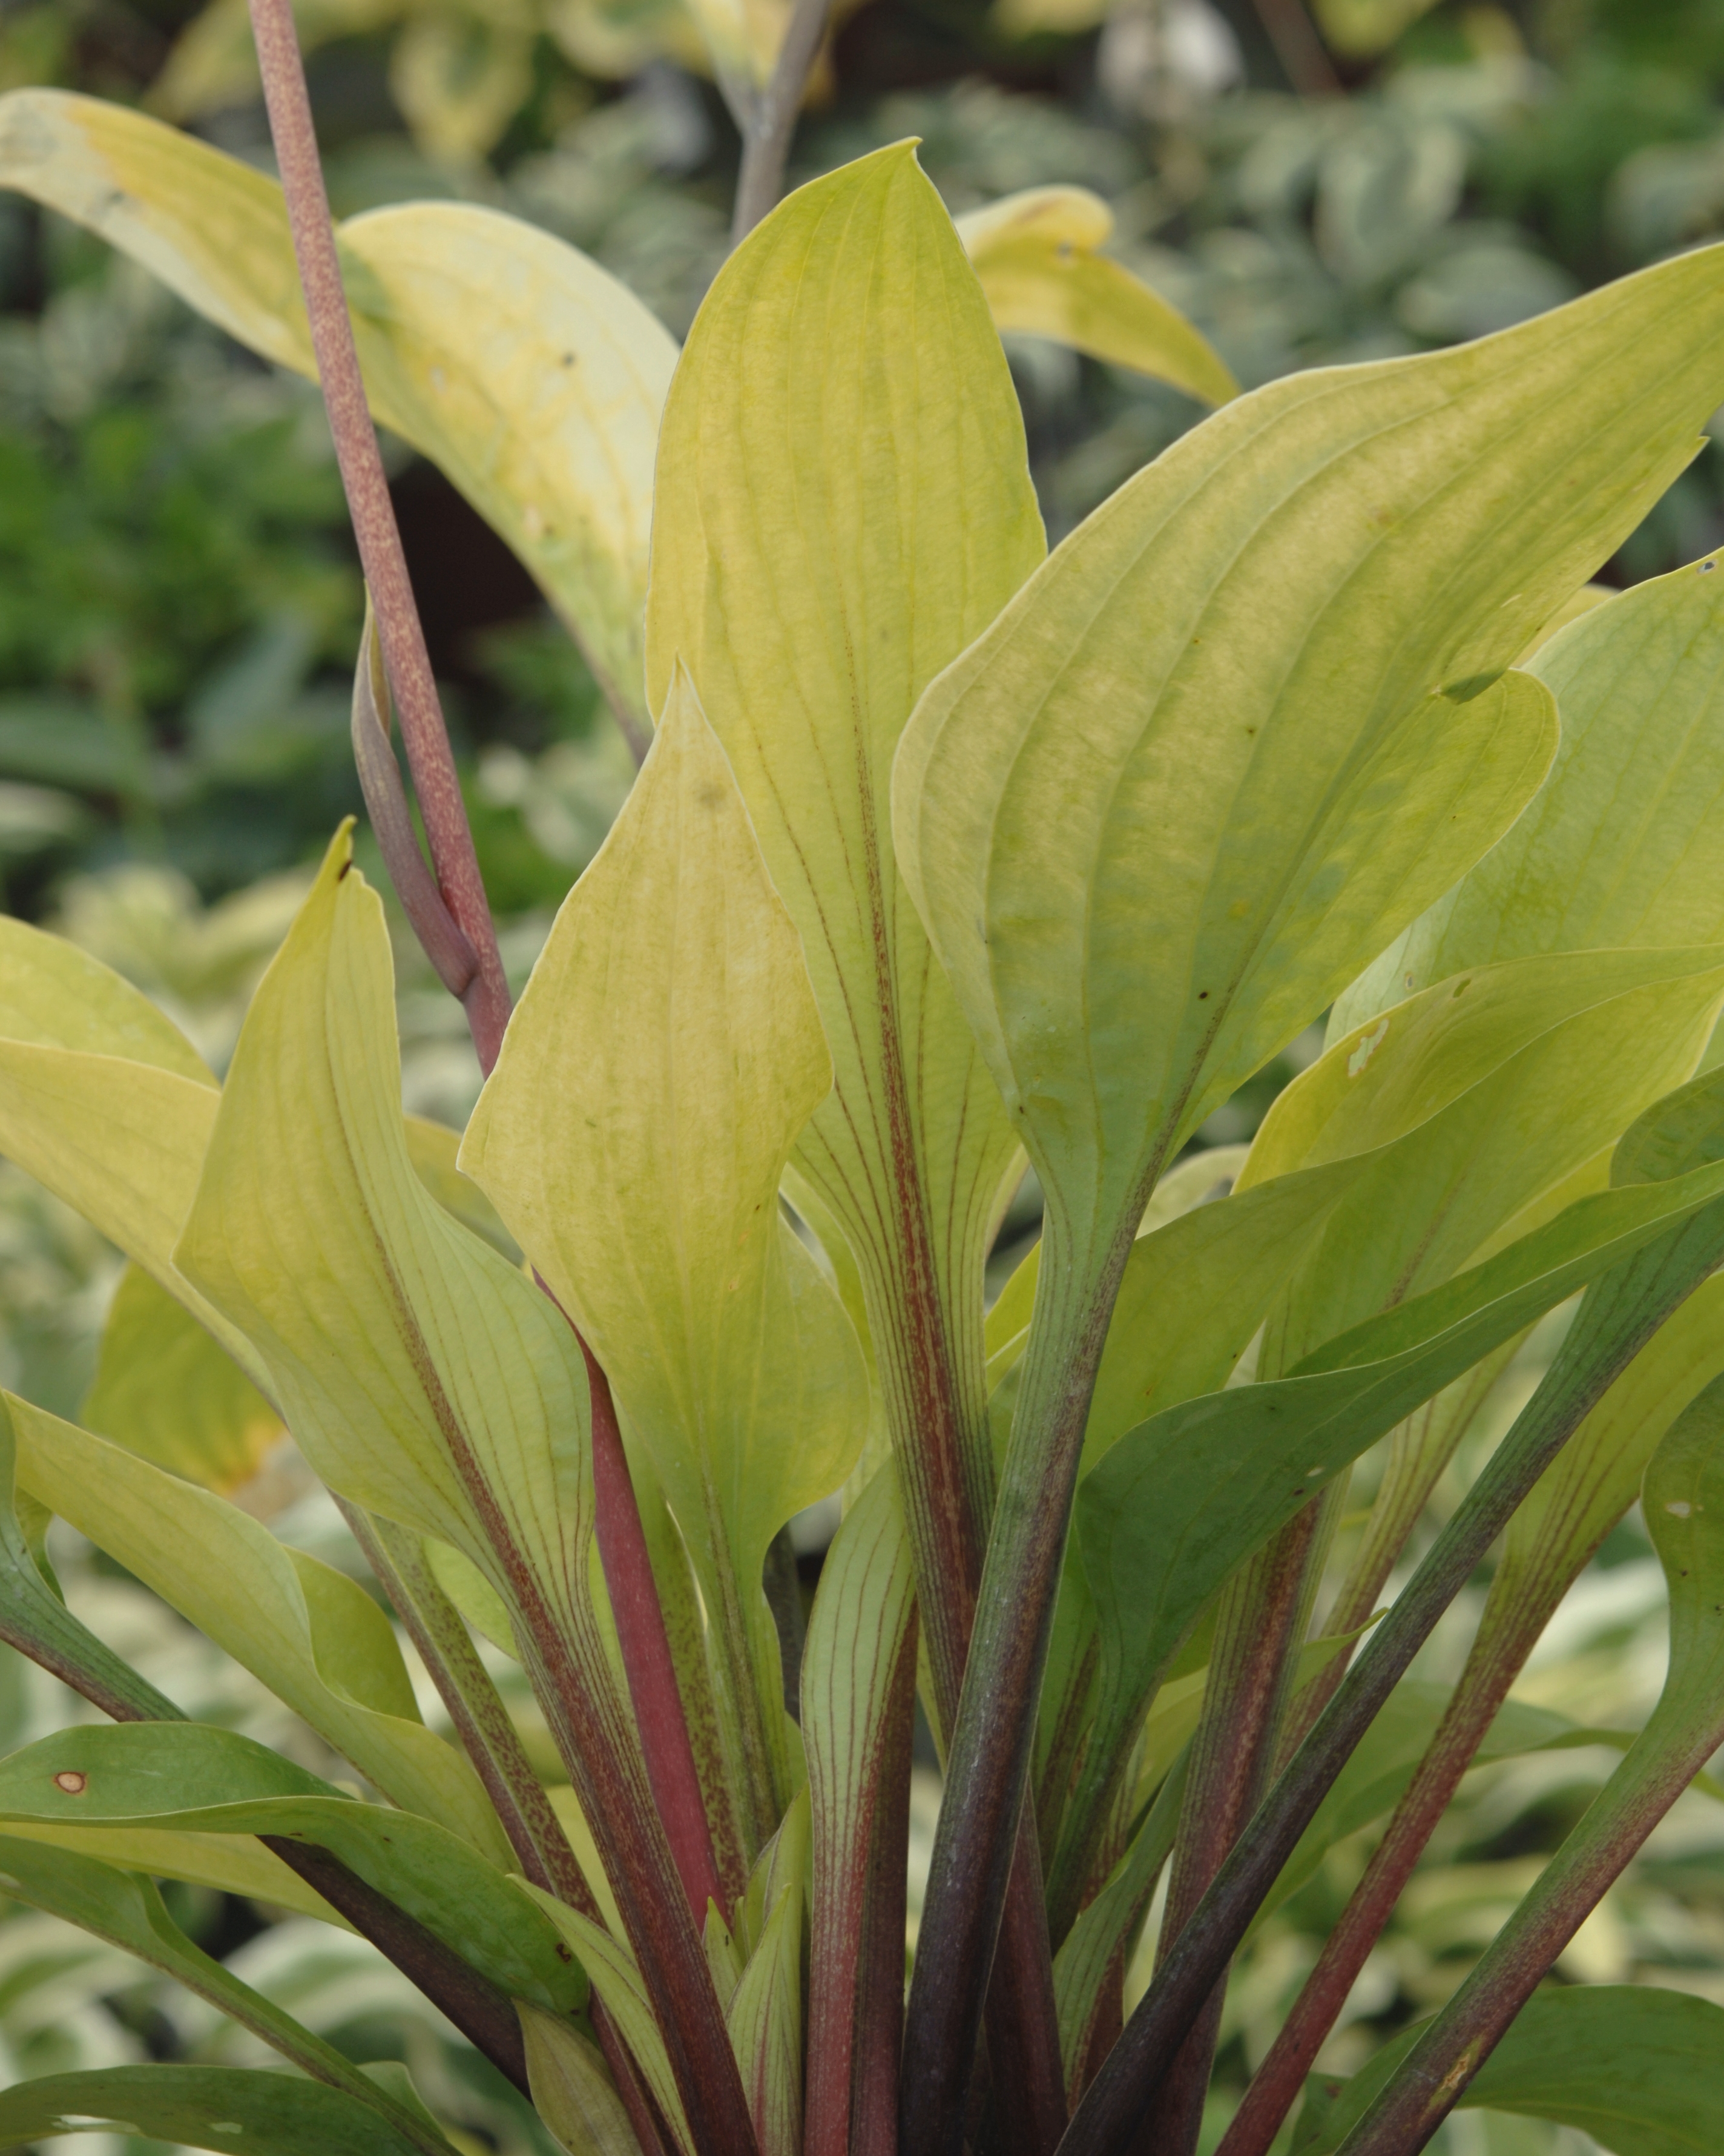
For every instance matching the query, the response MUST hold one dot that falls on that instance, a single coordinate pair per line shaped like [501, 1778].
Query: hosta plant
[945, 855]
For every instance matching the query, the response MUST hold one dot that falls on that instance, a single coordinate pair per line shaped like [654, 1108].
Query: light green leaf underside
[664, 1056]
[1240, 719]
[1037, 256]
[313, 1636]
[163, 1775]
[1624, 844]
[523, 370]
[572, 2090]
[232, 1863]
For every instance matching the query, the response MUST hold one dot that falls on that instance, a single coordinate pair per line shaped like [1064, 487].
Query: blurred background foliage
[180, 604]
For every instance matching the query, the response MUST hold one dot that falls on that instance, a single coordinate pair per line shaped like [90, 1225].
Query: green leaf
[1634, 2065]
[664, 1056]
[215, 1781]
[315, 1638]
[843, 505]
[128, 1911]
[572, 2090]
[765, 2012]
[1621, 845]
[858, 1679]
[1036, 254]
[165, 1390]
[54, 995]
[525, 373]
[234, 2110]
[1187, 1497]
[231, 1863]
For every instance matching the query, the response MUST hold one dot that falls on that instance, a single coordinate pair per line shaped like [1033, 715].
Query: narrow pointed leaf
[765, 2012]
[313, 1636]
[1037, 256]
[235, 2111]
[214, 1781]
[231, 1863]
[128, 1911]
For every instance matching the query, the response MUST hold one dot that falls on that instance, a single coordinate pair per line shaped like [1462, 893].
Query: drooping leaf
[858, 1680]
[313, 1636]
[843, 505]
[128, 1911]
[664, 1056]
[1037, 254]
[215, 1781]
[237, 2111]
[231, 1863]
[1620, 845]
[1635, 2065]
[529, 375]
[165, 1390]
[54, 995]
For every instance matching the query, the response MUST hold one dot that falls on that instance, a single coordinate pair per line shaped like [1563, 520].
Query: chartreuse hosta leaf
[843, 505]
[1036, 254]
[526, 373]
[165, 1390]
[185, 1775]
[128, 1911]
[237, 2111]
[1684, 1504]
[1249, 719]
[427, 1379]
[313, 1636]
[858, 1693]
[664, 1056]
[1634, 2065]
[1621, 845]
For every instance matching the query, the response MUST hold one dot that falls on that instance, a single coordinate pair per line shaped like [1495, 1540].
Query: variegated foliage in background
[945, 853]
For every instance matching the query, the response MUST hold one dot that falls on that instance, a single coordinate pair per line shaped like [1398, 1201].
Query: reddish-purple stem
[647, 1660]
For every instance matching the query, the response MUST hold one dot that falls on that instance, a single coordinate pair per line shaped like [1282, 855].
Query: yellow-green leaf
[1037, 254]
[1623, 843]
[526, 373]
[573, 2093]
[165, 1389]
[843, 503]
[664, 1056]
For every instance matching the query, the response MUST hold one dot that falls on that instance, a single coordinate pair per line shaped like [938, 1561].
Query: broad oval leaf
[1254, 712]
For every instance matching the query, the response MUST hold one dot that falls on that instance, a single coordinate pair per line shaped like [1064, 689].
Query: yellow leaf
[1037, 254]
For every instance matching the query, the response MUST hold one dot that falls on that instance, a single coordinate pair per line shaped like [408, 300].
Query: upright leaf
[842, 503]
[428, 1379]
[664, 1056]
